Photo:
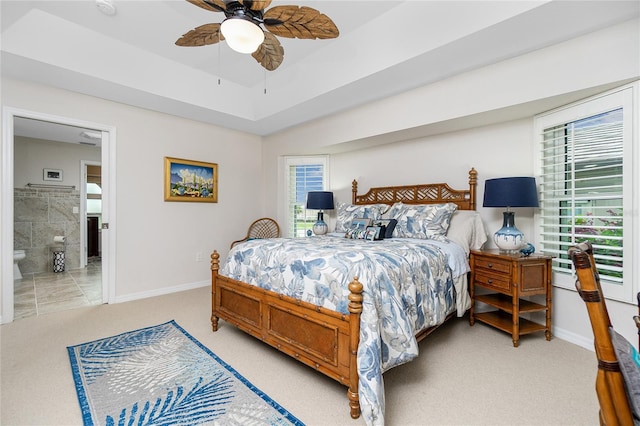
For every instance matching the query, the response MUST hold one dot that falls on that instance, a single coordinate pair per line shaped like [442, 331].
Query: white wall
[157, 241]
[481, 119]
[31, 156]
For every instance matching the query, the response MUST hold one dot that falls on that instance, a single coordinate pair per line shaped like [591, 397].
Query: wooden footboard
[318, 337]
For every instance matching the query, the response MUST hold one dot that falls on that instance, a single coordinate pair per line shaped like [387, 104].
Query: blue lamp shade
[510, 192]
[320, 200]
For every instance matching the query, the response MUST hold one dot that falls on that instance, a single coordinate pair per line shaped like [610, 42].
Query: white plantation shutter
[586, 184]
[303, 174]
[582, 195]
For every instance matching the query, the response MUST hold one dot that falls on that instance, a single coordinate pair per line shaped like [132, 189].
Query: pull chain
[219, 62]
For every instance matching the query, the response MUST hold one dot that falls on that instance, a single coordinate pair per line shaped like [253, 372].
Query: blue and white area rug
[161, 375]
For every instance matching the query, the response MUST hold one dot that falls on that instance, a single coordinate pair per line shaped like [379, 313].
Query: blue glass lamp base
[509, 238]
[320, 227]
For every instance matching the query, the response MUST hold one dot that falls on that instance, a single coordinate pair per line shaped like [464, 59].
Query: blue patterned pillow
[348, 212]
[629, 361]
[423, 221]
[395, 210]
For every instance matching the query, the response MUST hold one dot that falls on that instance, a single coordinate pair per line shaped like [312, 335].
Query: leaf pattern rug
[161, 375]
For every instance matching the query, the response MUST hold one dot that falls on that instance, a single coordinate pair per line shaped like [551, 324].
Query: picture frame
[361, 223]
[374, 233]
[386, 222]
[52, 175]
[190, 181]
[388, 225]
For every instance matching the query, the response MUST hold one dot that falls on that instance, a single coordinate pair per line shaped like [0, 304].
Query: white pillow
[467, 230]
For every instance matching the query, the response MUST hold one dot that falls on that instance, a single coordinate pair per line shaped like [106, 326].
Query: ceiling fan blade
[270, 54]
[299, 22]
[211, 5]
[201, 36]
[255, 4]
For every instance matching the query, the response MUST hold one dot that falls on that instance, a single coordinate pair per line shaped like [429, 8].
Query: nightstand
[508, 278]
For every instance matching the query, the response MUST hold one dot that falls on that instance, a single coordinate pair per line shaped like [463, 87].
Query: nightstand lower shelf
[505, 303]
[504, 321]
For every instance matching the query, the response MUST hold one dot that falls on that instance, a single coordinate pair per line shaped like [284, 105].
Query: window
[302, 174]
[586, 188]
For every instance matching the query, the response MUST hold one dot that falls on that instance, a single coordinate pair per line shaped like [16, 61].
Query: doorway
[90, 212]
[107, 154]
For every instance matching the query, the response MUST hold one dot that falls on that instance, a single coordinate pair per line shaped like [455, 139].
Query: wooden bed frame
[318, 337]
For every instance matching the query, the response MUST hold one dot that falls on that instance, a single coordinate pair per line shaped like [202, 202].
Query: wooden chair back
[610, 387]
[636, 319]
[262, 228]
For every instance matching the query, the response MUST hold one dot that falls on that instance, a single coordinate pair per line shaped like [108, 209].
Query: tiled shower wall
[39, 215]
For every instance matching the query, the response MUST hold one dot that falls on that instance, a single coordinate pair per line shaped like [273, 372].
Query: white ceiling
[38, 129]
[384, 48]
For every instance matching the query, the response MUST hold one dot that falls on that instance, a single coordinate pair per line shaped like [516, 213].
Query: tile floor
[45, 292]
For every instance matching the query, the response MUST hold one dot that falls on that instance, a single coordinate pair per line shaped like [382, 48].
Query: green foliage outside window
[608, 238]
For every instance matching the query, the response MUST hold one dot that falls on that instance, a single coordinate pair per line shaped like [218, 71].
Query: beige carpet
[464, 376]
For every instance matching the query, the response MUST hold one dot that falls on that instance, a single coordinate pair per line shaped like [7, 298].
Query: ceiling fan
[243, 33]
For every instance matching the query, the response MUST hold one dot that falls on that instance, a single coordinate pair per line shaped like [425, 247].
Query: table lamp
[320, 200]
[510, 192]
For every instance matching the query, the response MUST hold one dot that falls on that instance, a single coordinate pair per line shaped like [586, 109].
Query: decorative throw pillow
[356, 232]
[629, 361]
[388, 225]
[348, 212]
[423, 221]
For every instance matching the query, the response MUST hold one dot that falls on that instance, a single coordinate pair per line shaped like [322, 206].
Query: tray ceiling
[384, 48]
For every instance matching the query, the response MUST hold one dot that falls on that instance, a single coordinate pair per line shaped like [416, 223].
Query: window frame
[289, 161]
[627, 98]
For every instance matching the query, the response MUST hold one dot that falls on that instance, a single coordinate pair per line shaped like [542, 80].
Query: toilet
[18, 255]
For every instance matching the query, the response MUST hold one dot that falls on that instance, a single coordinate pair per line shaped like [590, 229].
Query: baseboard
[574, 338]
[162, 291]
[561, 333]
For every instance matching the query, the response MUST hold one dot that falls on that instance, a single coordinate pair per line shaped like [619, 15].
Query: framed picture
[187, 180]
[374, 233]
[360, 223]
[388, 225]
[52, 174]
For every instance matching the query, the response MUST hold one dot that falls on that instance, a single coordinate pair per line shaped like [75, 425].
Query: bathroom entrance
[63, 175]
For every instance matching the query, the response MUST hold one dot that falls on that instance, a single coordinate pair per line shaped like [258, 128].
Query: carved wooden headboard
[430, 193]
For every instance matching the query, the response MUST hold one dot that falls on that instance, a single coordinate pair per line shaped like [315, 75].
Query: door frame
[83, 209]
[108, 158]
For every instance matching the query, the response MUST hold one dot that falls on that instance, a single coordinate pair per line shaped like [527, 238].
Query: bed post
[355, 309]
[215, 265]
[354, 191]
[473, 182]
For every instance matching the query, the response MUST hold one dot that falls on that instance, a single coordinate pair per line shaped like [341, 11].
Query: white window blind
[303, 174]
[585, 189]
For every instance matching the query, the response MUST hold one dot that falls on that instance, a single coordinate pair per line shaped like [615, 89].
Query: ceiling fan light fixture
[242, 34]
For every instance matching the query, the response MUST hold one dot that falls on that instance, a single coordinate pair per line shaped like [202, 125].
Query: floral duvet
[408, 286]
